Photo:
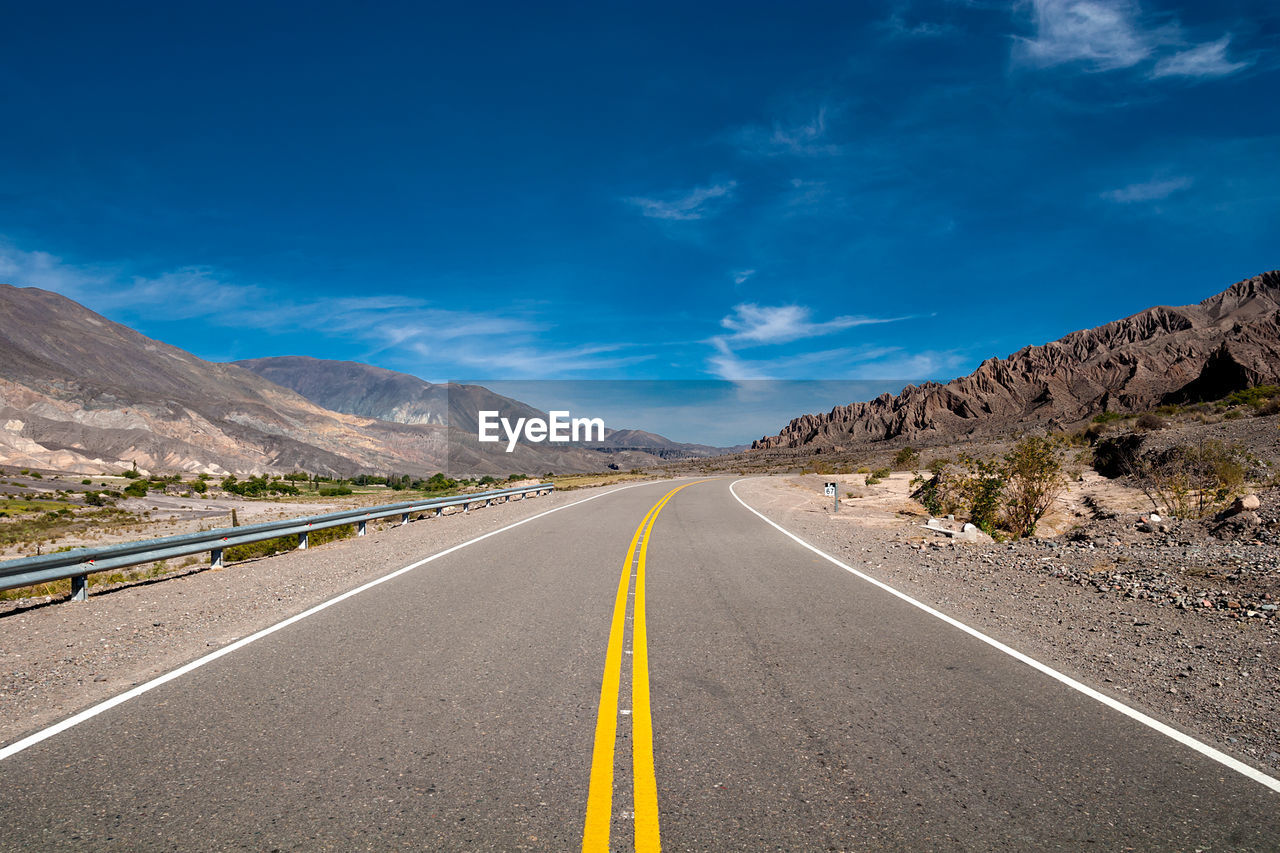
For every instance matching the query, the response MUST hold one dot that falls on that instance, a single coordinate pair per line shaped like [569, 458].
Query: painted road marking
[1150, 722]
[595, 833]
[90, 713]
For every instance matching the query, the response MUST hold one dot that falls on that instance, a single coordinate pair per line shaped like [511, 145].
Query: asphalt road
[794, 707]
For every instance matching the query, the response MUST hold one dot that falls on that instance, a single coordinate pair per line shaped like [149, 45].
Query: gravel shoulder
[58, 658]
[1169, 643]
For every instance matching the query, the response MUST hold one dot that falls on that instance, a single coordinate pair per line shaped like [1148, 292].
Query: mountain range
[374, 392]
[1161, 355]
[81, 393]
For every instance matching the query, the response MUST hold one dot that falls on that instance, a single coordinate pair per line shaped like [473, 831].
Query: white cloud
[400, 326]
[898, 27]
[694, 204]
[1153, 190]
[1104, 34]
[753, 324]
[804, 139]
[741, 276]
[727, 365]
[537, 362]
[1205, 60]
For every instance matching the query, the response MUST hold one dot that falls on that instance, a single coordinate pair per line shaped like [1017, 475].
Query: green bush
[136, 489]
[259, 486]
[1033, 472]
[906, 459]
[1192, 481]
[334, 491]
[1257, 396]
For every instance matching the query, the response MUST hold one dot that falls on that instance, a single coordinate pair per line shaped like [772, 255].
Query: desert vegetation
[1007, 496]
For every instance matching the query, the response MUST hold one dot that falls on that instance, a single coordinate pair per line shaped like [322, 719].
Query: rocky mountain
[1162, 355]
[362, 389]
[374, 392]
[79, 392]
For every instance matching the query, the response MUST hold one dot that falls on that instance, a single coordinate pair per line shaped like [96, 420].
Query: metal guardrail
[78, 564]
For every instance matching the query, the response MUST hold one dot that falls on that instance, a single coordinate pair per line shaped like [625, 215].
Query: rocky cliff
[1161, 355]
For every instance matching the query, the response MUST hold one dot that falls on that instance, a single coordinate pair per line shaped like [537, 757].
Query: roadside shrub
[136, 489]
[1192, 481]
[1150, 421]
[1034, 480]
[334, 491]
[906, 459]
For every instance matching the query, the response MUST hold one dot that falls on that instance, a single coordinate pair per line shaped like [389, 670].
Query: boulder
[1247, 503]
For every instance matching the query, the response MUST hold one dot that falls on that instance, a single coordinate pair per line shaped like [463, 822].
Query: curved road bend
[457, 707]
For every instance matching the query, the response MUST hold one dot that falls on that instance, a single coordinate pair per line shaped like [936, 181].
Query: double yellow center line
[595, 836]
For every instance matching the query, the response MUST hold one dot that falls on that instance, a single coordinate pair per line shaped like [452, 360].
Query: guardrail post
[488, 502]
[302, 541]
[466, 508]
[215, 558]
[439, 511]
[360, 528]
[80, 588]
[404, 519]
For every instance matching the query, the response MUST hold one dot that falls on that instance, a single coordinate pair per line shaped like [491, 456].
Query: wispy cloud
[1153, 190]
[897, 25]
[539, 362]
[742, 276]
[405, 328]
[1107, 35]
[751, 325]
[807, 138]
[1103, 34]
[695, 204]
[726, 364]
[1203, 61]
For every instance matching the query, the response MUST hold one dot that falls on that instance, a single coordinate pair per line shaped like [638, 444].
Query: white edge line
[1181, 737]
[89, 713]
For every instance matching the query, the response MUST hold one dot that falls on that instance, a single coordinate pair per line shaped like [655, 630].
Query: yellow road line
[595, 836]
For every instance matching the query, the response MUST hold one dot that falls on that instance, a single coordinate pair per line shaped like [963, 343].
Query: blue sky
[637, 191]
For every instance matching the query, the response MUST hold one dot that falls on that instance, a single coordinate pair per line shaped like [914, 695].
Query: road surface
[755, 697]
